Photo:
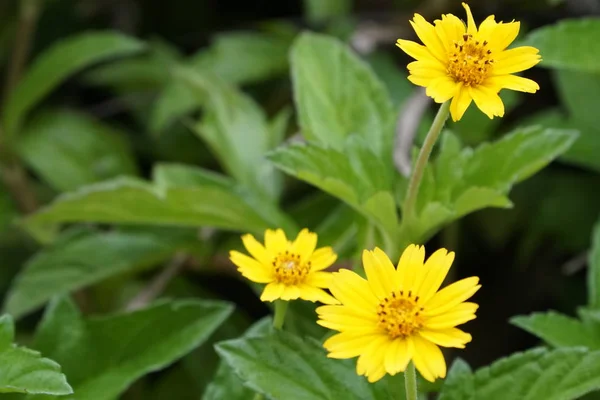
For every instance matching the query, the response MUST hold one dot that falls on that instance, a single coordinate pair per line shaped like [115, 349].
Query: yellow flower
[291, 270]
[464, 63]
[398, 315]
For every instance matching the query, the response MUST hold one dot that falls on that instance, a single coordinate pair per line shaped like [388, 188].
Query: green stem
[281, 307]
[419, 168]
[410, 382]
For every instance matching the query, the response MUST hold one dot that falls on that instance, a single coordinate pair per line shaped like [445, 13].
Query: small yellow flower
[464, 63]
[398, 315]
[291, 270]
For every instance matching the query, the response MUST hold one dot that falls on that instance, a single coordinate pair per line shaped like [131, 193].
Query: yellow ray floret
[291, 270]
[398, 314]
[464, 63]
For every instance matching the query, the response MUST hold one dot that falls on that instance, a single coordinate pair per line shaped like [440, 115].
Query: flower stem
[410, 382]
[281, 307]
[419, 169]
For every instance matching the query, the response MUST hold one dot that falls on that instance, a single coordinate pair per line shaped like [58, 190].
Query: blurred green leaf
[23, 370]
[284, 366]
[395, 79]
[320, 10]
[56, 64]
[337, 94]
[237, 130]
[356, 176]
[180, 196]
[569, 44]
[67, 266]
[69, 150]
[103, 355]
[538, 374]
[558, 330]
[461, 181]
[593, 277]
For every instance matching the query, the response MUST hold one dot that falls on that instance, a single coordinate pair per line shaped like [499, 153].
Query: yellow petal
[452, 295]
[354, 291]
[426, 32]
[371, 361]
[436, 267]
[290, 292]
[460, 102]
[488, 101]
[427, 67]
[397, 356]
[450, 337]
[471, 27]
[339, 313]
[251, 268]
[413, 49]
[380, 272]
[428, 359]
[272, 291]
[458, 315]
[441, 89]
[420, 80]
[305, 244]
[319, 279]
[256, 249]
[449, 29]
[486, 29]
[314, 294]
[515, 60]
[410, 264]
[348, 345]
[322, 258]
[275, 241]
[513, 82]
[504, 34]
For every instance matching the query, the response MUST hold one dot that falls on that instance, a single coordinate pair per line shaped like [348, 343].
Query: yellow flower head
[464, 63]
[291, 270]
[398, 315]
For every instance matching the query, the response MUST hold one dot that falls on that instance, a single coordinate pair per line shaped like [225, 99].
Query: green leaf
[593, 277]
[284, 366]
[198, 198]
[319, 10]
[23, 370]
[559, 330]
[56, 64]
[88, 150]
[103, 355]
[569, 44]
[66, 265]
[337, 94]
[237, 131]
[464, 180]
[356, 176]
[538, 374]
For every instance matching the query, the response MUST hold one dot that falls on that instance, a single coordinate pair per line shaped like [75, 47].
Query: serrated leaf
[25, 371]
[559, 330]
[103, 355]
[538, 374]
[568, 44]
[66, 265]
[201, 200]
[237, 131]
[355, 176]
[337, 94]
[593, 277]
[284, 366]
[88, 150]
[59, 62]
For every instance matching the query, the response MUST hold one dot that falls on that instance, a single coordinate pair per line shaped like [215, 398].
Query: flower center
[470, 61]
[289, 270]
[399, 314]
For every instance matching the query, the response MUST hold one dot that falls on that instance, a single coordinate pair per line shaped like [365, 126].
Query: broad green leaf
[459, 379]
[569, 44]
[25, 371]
[356, 176]
[174, 102]
[66, 265]
[237, 131]
[103, 355]
[579, 92]
[464, 180]
[319, 10]
[558, 330]
[70, 150]
[198, 198]
[284, 366]
[56, 64]
[538, 374]
[593, 277]
[337, 94]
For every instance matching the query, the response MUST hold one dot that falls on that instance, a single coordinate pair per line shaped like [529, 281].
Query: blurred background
[122, 115]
